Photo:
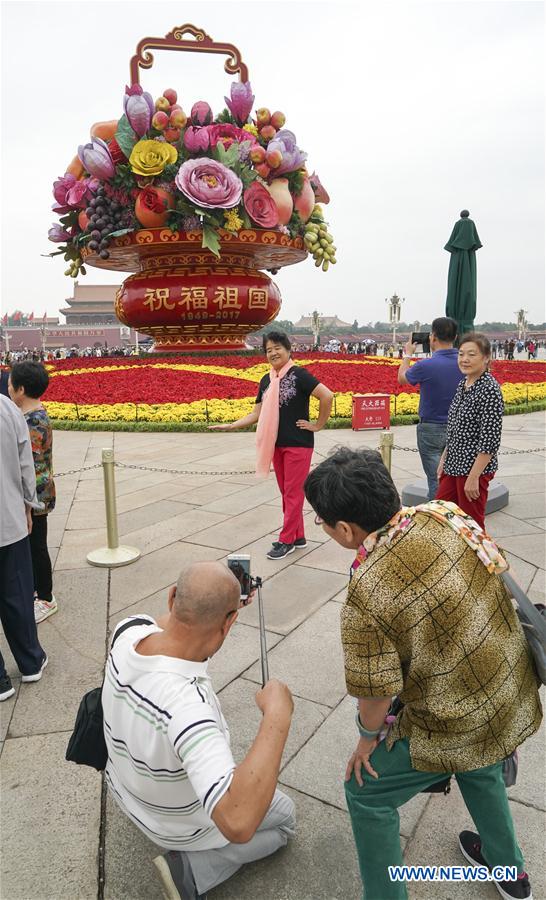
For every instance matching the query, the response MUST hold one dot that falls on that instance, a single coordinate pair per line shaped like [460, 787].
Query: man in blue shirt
[437, 378]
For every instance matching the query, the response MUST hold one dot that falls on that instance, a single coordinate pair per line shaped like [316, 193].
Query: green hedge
[81, 425]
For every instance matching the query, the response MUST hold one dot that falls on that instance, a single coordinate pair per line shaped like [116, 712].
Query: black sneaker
[298, 543]
[176, 877]
[280, 551]
[471, 848]
[6, 688]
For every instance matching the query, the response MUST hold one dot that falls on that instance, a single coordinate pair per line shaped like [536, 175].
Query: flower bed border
[513, 409]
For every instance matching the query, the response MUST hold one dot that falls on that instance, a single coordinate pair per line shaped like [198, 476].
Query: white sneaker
[43, 609]
[37, 675]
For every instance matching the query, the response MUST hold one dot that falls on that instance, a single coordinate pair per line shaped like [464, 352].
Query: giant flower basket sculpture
[195, 206]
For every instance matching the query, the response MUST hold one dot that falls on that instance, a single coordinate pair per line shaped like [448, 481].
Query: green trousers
[376, 824]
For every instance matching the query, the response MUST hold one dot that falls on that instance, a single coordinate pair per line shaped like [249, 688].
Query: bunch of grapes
[105, 216]
[319, 241]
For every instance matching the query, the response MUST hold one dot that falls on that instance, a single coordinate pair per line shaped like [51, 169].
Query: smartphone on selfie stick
[239, 563]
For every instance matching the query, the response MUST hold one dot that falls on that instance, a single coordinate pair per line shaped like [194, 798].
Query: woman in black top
[294, 436]
[474, 428]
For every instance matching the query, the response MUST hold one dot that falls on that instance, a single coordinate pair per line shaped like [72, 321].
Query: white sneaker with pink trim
[43, 609]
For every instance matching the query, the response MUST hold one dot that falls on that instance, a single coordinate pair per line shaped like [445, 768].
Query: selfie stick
[263, 644]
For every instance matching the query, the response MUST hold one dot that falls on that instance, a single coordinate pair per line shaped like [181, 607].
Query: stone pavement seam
[17, 687]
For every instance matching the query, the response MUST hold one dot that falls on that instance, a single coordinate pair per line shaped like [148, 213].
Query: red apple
[305, 202]
[273, 158]
[162, 103]
[278, 119]
[178, 118]
[160, 120]
[263, 116]
[257, 154]
[170, 95]
[263, 170]
[267, 133]
[172, 134]
[283, 199]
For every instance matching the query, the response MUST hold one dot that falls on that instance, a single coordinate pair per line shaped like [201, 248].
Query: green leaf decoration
[210, 239]
[125, 136]
[120, 232]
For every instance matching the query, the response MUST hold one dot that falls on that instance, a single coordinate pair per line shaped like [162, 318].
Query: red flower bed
[145, 386]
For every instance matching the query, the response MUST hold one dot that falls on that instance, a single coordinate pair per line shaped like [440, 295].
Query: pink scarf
[268, 423]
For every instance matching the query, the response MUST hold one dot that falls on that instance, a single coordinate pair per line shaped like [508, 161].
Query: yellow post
[386, 443]
[113, 555]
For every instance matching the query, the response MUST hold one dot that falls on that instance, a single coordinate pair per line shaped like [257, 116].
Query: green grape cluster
[75, 268]
[320, 242]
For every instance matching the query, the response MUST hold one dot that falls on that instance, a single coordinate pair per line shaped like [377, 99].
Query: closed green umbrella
[461, 278]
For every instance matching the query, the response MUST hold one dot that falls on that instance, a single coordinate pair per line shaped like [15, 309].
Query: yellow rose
[151, 157]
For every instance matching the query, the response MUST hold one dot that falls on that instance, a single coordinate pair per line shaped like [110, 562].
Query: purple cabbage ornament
[139, 108]
[242, 101]
[209, 184]
[96, 158]
[292, 157]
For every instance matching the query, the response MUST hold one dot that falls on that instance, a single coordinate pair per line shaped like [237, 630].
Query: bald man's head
[206, 592]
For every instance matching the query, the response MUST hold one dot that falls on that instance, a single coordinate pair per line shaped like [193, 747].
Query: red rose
[260, 206]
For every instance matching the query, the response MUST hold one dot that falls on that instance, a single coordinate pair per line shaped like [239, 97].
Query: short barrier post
[113, 555]
[386, 443]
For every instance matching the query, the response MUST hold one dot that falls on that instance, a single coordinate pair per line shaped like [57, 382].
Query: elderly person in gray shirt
[17, 498]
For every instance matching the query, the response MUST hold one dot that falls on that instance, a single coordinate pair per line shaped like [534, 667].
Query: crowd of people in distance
[8, 357]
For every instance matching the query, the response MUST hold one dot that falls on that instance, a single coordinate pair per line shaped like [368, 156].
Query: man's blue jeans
[431, 441]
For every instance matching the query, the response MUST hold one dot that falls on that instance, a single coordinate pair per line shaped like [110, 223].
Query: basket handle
[175, 40]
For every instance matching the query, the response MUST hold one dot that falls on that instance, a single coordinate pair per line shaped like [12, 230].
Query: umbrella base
[417, 492]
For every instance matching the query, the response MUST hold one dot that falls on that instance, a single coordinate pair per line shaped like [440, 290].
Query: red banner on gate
[371, 411]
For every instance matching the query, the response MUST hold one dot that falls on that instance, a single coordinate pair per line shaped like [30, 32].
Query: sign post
[371, 411]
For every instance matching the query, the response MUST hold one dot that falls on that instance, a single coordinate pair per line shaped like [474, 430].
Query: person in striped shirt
[170, 766]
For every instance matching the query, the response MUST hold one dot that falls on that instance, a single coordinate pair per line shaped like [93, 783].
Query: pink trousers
[292, 466]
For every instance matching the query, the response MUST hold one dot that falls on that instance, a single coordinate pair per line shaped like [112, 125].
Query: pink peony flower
[242, 99]
[228, 134]
[260, 206]
[71, 193]
[209, 184]
[196, 139]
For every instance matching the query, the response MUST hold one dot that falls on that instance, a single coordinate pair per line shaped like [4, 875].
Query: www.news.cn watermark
[452, 873]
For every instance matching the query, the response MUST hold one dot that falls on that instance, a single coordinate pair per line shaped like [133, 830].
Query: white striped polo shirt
[169, 758]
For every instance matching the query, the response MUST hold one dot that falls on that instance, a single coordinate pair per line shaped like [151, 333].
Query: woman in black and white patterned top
[474, 428]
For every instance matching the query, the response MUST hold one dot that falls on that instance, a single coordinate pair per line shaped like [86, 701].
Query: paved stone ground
[61, 836]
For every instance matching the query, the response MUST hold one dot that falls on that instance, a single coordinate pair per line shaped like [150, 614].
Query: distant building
[92, 304]
[326, 323]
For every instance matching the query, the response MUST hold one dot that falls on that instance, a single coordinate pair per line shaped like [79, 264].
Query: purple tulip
[209, 184]
[292, 157]
[242, 100]
[139, 108]
[201, 113]
[321, 194]
[196, 139]
[57, 234]
[96, 158]
[71, 193]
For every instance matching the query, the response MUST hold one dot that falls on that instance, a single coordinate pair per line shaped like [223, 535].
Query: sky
[409, 112]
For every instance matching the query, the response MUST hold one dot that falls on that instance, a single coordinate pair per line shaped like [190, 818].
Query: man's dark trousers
[17, 608]
[431, 441]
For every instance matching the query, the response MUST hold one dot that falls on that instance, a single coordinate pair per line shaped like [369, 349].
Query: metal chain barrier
[501, 452]
[120, 465]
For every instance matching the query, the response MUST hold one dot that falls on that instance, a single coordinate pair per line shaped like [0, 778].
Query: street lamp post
[395, 306]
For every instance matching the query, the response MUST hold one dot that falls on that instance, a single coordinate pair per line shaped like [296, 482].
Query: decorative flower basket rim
[259, 248]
